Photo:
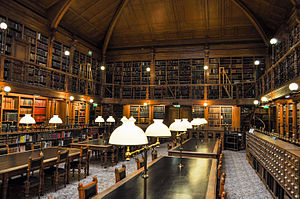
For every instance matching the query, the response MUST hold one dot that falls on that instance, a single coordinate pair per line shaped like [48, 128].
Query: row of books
[53, 136]
[40, 111]
[25, 110]
[9, 103]
[26, 102]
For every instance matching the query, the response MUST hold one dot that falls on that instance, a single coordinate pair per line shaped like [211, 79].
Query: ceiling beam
[253, 19]
[112, 25]
[56, 12]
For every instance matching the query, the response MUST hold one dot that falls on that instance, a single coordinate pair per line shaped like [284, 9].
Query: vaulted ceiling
[135, 23]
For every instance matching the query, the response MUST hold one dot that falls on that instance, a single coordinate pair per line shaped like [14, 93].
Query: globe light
[293, 86]
[264, 99]
[205, 104]
[67, 53]
[205, 67]
[3, 26]
[7, 89]
[256, 62]
[71, 98]
[102, 67]
[256, 102]
[91, 100]
[148, 69]
[273, 41]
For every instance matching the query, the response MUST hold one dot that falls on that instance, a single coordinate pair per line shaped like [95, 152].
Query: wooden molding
[57, 11]
[253, 19]
[112, 25]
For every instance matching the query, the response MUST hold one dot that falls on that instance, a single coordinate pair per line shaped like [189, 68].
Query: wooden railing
[15, 70]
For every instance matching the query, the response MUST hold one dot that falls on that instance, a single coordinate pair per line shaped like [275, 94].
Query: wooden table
[202, 148]
[14, 164]
[197, 179]
[98, 145]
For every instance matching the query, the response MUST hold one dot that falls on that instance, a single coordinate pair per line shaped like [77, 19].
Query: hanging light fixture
[293, 86]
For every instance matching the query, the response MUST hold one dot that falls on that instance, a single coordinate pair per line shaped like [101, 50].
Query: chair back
[5, 150]
[154, 154]
[36, 146]
[140, 162]
[62, 157]
[75, 140]
[219, 171]
[120, 173]
[224, 195]
[222, 184]
[89, 190]
[84, 153]
[35, 164]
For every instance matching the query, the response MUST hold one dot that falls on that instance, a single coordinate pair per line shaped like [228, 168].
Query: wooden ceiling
[143, 23]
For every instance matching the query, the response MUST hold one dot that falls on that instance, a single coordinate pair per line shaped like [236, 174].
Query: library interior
[157, 99]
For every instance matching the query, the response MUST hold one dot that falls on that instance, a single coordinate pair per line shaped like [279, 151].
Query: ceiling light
[7, 89]
[264, 99]
[293, 86]
[71, 98]
[148, 69]
[256, 62]
[205, 67]
[256, 102]
[91, 100]
[145, 104]
[3, 26]
[273, 41]
[205, 104]
[102, 67]
[67, 53]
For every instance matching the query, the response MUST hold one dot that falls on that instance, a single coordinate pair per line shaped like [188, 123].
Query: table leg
[68, 171]
[4, 186]
[105, 158]
[113, 158]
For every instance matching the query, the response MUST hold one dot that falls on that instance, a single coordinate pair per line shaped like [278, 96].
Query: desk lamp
[27, 119]
[110, 120]
[99, 120]
[180, 128]
[187, 124]
[55, 120]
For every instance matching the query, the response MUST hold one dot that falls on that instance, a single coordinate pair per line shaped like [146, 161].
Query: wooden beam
[57, 11]
[253, 19]
[112, 25]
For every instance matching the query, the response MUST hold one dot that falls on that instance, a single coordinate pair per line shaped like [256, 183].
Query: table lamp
[55, 120]
[99, 120]
[178, 127]
[27, 119]
[188, 125]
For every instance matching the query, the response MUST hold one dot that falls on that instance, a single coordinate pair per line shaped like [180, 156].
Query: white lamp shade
[132, 119]
[128, 134]
[202, 121]
[55, 120]
[186, 123]
[158, 129]
[177, 126]
[293, 86]
[110, 119]
[99, 119]
[27, 119]
[124, 119]
[195, 122]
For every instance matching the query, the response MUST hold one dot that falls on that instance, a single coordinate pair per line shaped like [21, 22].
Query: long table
[98, 145]
[200, 148]
[197, 179]
[17, 163]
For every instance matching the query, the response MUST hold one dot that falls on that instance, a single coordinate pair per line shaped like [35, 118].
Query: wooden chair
[56, 172]
[81, 163]
[29, 181]
[139, 162]
[219, 171]
[4, 150]
[89, 190]
[120, 173]
[222, 184]
[224, 195]
[154, 154]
